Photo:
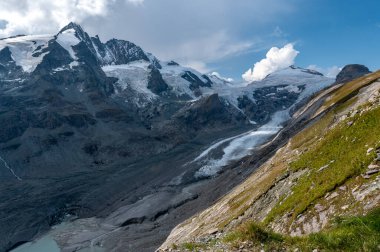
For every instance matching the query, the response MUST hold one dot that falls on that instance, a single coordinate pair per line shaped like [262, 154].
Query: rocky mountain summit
[122, 146]
[351, 72]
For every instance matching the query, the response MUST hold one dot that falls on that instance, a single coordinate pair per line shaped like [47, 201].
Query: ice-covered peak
[74, 26]
[292, 76]
[294, 70]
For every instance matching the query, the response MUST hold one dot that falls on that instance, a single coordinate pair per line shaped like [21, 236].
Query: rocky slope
[127, 144]
[329, 168]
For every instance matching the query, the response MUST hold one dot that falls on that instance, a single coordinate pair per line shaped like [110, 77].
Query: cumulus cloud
[276, 59]
[330, 72]
[39, 16]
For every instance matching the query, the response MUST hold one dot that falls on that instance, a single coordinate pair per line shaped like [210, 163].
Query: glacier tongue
[238, 146]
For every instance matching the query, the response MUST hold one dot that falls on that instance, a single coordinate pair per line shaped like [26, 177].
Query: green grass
[308, 136]
[193, 246]
[344, 149]
[350, 234]
[346, 234]
[253, 232]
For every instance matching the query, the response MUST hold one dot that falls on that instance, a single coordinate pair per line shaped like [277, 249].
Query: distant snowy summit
[141, 77]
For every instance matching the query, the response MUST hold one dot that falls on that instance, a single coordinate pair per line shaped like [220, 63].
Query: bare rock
[345, 207]
[212, 231]
[369, 151]
[370, 172]
[351, 72]
[343, 188]
[333, 196]
[319, 207]
[373, 166]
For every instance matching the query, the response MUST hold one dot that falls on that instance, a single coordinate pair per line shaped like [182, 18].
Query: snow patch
[172, 75]
[217, 75]
[290, 89]
[74, 64]
[67, 39]
[133, 76]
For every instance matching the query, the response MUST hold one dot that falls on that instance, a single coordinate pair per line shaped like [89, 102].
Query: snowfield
[24, 50]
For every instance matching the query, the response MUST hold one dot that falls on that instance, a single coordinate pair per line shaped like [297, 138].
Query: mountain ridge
[125, 142]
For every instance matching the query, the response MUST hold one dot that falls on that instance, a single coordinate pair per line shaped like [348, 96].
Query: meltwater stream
[238, 146]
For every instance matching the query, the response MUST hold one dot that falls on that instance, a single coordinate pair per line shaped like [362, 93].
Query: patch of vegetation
[193, 246]
[256, 234]
[346, 234]
[339, 155]
[309, 135]
[351, 234]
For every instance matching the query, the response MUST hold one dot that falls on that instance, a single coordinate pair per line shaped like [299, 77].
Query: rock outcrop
[351, 72]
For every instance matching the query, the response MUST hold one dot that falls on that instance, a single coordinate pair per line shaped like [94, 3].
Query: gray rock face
[266, 101]
[207, 112]
[155, 81]
[195, 81]
[121, 52]
[8, 68]
[351, 72]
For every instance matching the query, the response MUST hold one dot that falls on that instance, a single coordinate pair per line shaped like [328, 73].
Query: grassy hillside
[314, 186]
[339, 155]
[346, 234]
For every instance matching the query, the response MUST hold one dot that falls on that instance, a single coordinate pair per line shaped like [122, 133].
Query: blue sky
[327, 33]
[227, 36]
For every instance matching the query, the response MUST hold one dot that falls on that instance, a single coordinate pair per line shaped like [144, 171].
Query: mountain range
[117, 147]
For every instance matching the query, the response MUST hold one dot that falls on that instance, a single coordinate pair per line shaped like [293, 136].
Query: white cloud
[197, 52]
[39, 16]
[197, 65]
[276, 59]
[330, 72]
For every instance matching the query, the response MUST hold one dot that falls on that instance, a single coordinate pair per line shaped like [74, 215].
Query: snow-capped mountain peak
[76, 27]
[141, 77]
